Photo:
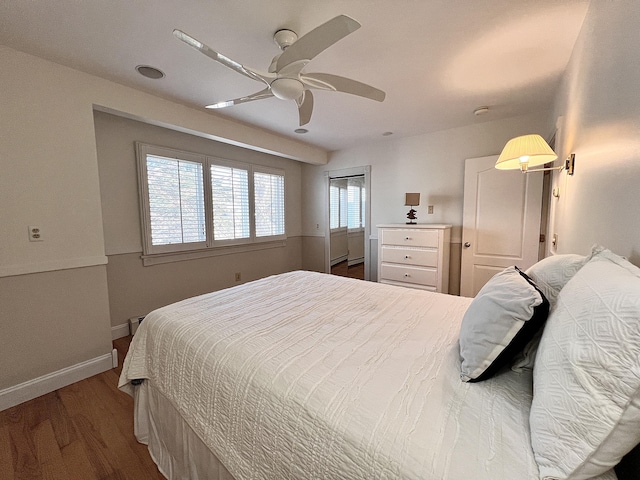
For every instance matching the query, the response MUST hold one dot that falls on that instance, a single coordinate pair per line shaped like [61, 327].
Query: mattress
[306, 375]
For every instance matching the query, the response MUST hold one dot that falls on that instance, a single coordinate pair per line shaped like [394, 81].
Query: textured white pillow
[552, 273]
[585, 414]
[503, 317]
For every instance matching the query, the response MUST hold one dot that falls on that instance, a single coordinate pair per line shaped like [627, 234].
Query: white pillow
[552, 273]
[503, 317]
[585, 414]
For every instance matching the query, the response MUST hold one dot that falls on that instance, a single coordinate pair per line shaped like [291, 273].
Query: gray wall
[135, 289]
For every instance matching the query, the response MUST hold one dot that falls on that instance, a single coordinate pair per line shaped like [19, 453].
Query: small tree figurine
[411, 216]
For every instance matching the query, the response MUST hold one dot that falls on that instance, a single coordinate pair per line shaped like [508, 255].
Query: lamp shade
[526, 151]
[411, 199]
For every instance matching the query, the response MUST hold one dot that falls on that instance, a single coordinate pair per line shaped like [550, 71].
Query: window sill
[160, 258]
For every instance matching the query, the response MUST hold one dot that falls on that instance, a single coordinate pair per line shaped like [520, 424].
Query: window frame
[209, 246]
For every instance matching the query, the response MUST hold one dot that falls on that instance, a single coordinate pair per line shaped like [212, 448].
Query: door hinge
[543, 238]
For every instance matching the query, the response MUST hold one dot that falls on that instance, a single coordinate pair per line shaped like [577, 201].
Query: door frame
[349, 172]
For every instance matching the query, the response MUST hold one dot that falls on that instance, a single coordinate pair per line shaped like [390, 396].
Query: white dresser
[415, 256]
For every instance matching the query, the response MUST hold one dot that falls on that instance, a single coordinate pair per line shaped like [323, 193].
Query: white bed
[306, 375]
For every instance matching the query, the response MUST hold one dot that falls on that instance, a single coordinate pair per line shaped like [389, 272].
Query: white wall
[599, 120]
[50, 179]
[50, 175]
[432, 164]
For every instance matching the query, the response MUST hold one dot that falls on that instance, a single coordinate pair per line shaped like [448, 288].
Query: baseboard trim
[339, 259]
[119, 331]
[12, 396]
[355, 261]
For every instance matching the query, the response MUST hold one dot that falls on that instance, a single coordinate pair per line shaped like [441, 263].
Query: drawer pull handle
[407, 256]
[406, 275]
[407, 238]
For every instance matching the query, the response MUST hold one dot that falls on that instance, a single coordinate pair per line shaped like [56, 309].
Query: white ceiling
[437, 60]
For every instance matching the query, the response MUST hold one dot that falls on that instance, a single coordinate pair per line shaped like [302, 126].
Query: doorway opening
[347, 235]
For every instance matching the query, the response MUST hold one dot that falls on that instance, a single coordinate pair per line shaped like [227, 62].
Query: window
[269, 201]
[338, 205]
[334, 206]
[347, 203]
[355, 202]
[176, 201]
[230, 202]
[184, 208]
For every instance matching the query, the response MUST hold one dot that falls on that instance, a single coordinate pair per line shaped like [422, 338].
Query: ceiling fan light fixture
[287, 88]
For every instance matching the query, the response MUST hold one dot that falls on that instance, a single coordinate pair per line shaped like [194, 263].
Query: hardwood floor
[83, 431]
[355, 271]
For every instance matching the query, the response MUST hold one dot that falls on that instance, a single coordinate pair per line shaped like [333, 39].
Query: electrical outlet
[430, 209]
[238, 276]
[35, 234]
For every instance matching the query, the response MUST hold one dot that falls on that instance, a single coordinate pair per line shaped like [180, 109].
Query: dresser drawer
[410, 256]
[398, 273]
[412, 238]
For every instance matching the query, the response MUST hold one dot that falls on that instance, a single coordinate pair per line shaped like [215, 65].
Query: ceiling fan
[285, 78]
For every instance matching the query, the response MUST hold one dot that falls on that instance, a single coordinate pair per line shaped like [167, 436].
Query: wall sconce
[526, 151]
[411, 200]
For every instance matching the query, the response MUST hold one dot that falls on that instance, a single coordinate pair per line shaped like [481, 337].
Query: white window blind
[176, 201]
[230, 200]
[353, 210]
[195, 202]
[343, 207]
[356, 202]
[334, 206]
[269, 204]
[363, 205]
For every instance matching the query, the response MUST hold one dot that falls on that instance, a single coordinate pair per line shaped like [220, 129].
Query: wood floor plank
[77, 461]
[80, 432]
[60, 421]
[25, 463]
[48, 452]
[120, 408]
[6, 456]
[118, 433]
[87, 421]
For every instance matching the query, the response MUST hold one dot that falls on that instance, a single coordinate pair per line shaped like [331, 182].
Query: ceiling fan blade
[224, 60]
[305, 107]
[266, 93]
[326, 81]
[318, 40]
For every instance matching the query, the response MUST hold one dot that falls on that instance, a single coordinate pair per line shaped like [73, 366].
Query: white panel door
[501, 221]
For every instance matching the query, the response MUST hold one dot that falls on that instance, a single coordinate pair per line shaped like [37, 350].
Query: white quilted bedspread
[306, 375]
